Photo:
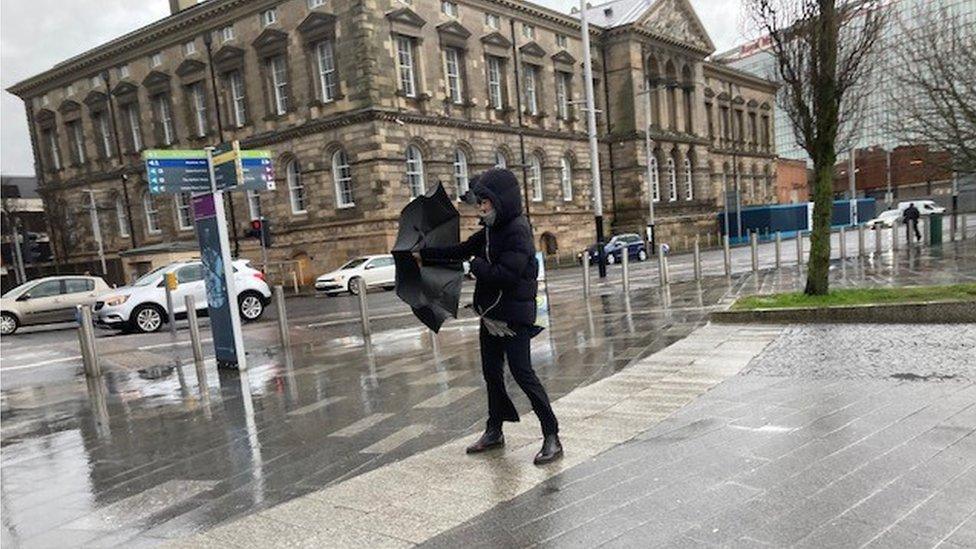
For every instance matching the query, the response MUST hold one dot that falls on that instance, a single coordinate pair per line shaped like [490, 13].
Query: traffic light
[261, 229]
[32, 248]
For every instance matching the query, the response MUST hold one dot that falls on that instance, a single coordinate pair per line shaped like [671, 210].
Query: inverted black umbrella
[432, 291]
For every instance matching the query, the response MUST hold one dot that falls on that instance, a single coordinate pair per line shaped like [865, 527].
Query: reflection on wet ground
[154, 453]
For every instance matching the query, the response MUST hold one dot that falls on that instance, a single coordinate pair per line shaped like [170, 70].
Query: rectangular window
[238, 102]
[531, 98]
[123, 71]
[562, 94]
[184, 211]
[753, 130]
[104, 134]
[315, 3]
[165, 117]
[528, 31]
[562, 41]
[77, 142]
[405, 62]
[449, 8]
[325, 57]
[452, 64]
[493, 21]
[131, 112]
[189, 48]
[53, 153]
[227, 33]
[278, 72]
[156, 60]
[198, 99]
[495, 83]
[268, 17]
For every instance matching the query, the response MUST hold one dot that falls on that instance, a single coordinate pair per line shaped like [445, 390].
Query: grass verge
[859, 296]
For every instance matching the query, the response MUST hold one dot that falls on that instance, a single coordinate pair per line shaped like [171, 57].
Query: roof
[617, 12]
[19, 186]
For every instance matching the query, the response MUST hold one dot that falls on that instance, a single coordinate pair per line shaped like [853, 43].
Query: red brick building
[792, 181]
[916, 172]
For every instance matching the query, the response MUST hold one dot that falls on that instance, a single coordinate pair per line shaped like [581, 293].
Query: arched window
[296, 188]
[121, 217]
[342, 178]
[689, 186]
[655, 181]
[566, 177]
[152, 213]
[415, 171]
[500, 160]
[254, 204]
[535, 177]
[672, 181]
[460, 172]
[184, 211]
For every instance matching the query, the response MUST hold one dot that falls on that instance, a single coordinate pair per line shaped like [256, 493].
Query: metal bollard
[86, 339]
[662, 266]
[754, 243]
[170, 314]
[294, 280]
[779, 248]
[698, 267]
[894, 237]
[625, 269]
[799, 249]
[953, 219]
[842, 235]
[282, 317]
[962, 223]
[191, 317]
[877, 241]
[363, 309]
[586, 273]
[860, 241]
[926, 230]
[728, 256]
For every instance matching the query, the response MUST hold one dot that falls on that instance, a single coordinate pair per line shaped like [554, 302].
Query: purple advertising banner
[203, 206]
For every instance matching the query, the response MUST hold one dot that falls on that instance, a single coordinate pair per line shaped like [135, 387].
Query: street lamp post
[106, 76]
[735, 171]
[649, 88]
[594, 147]
[96, 228]
[208, 43]
[853, 187]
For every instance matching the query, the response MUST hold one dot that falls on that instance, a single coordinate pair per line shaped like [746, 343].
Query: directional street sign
[171, 171]
[257, 170]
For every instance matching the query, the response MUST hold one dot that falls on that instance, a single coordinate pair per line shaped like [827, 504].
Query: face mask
[489, 218]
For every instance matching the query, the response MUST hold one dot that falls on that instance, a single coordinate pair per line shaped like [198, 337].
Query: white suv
[375, 270]
[142, 306]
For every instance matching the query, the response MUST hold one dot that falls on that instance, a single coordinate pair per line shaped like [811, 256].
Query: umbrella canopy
[432, 291]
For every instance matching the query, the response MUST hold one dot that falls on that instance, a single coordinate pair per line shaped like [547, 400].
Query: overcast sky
[36, 34]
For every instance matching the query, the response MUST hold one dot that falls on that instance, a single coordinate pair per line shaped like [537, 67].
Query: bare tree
[823, 50]
[62, 225]
[934, 81]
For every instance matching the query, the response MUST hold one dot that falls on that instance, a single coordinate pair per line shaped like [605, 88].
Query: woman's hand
[416, 257]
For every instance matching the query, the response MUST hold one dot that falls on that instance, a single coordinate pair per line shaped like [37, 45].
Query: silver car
[47, 300]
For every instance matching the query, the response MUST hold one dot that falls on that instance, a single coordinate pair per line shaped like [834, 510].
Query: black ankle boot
[492, 438]
[551, 450]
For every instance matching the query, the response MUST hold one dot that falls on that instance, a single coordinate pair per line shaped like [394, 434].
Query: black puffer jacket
[503, 263]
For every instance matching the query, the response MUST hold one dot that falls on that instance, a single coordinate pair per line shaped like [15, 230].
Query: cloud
[30, 44]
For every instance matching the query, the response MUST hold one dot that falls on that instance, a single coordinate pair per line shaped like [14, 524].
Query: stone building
[367, 103]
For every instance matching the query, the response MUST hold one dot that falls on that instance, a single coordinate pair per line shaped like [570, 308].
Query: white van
[888, 218]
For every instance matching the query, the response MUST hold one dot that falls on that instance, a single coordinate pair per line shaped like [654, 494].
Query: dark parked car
[614, 249]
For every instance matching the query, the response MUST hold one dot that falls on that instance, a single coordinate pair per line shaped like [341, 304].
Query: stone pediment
[270, 41]
[563, 57]
[765, 106]
[752, 104]
[532, 49]
[677, 20]
[156, 80]
[738, 100]
[453, 29]
[496, 39]
[190, 66]
[317, 26]
[69, 106]
[124, 88]
[95, 98]
[709, 92]
[228, 57]
[406, 16]
[45, 116]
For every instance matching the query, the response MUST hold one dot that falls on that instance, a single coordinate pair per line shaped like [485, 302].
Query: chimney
[176, 6]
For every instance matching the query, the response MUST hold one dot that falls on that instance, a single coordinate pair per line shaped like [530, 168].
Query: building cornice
[633, 29]
[739, 76]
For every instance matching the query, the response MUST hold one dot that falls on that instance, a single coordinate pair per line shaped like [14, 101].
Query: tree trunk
[818, 265]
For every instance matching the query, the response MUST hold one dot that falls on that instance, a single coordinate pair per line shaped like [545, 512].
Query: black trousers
[913, 225]
[494, 351]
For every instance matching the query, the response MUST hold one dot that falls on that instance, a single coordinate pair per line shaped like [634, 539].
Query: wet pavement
[149, 454]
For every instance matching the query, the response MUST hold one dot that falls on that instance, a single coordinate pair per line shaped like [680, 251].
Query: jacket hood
[502, 188]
